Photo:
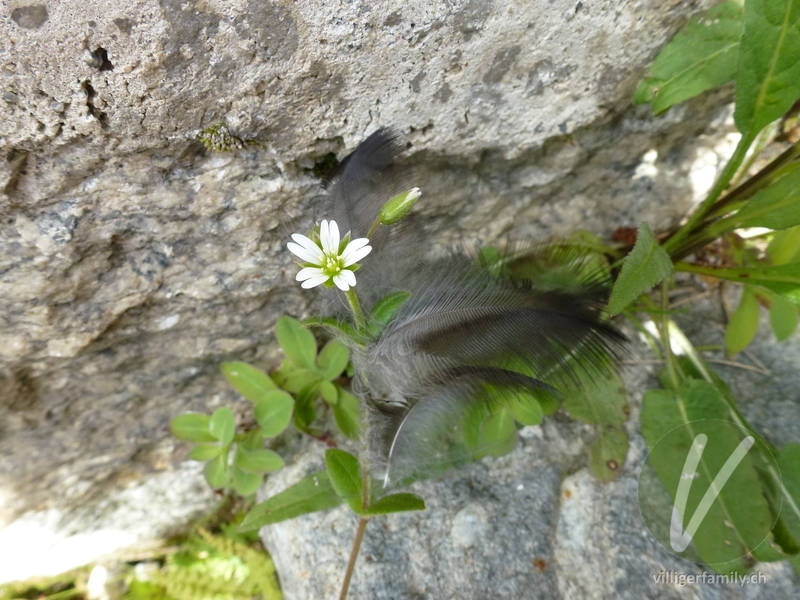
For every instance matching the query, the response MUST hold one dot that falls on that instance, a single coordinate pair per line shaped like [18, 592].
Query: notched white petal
[341, 281]
[308, 273]
[314, 281]
[306, 254]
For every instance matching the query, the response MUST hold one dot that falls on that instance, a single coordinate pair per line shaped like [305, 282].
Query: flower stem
[355, 307]
[351, 565]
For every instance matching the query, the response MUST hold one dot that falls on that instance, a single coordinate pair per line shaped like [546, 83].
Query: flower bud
[398, 207]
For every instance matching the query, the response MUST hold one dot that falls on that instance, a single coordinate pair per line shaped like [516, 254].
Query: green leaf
[739, 519]
[274, 412]
[332, 359]
[304, 410]
[216, 471]
[395, 503]
[311, 494]
[646, 265]
[743, 325]
[776, 206]
[387, 306]
[498, 434]
[785, 246]
[257, 461]
[784, 280]
[246, 483]
[607, 453]
[334, 325]
[252, 440]
[345, 475]
[247, 380]
[346, 412]
[205, 451]
[298, 379]
[222, 425]
[783, 317]
[600, 399]
[524, 407]
[768, 74]
[192, 427]
[701, 56]
[329, 392]
[297, 342]
[789, 463]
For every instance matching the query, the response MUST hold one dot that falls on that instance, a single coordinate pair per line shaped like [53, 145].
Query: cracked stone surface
[133, 261]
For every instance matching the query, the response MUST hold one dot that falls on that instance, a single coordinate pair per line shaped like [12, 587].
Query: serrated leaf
[247, 380]
[274, 412]
[259, 460]
[222, 425]
[395, 503]
[192, 427]
[498, 435]
[701, 56]
[311, 494]
[739, 518]
[205, 452]
[332, 359]
[246, 483]
[329, 392]
[768, 73]
[216, 471]
[298, 343]
[783, 317]
[645, 266]
[743, 325]
[347, 414]
[607, 453]
[776, 206]
[386, 307]
[345, 474]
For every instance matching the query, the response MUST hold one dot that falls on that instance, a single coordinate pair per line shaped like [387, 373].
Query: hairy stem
[355, 307]
[351, 564]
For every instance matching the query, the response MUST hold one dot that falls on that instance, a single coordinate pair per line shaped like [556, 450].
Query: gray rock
[133, 261]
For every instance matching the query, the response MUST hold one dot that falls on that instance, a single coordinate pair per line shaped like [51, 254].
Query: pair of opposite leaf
[476, 332]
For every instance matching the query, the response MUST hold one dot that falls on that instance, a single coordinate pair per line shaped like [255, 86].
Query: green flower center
[332, 265]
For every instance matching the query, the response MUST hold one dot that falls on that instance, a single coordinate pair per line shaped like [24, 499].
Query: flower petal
[330, 243]
[308, 273]
[341, 280]
[306, 249]
[349, 276]
[355, 251]
[314, 281]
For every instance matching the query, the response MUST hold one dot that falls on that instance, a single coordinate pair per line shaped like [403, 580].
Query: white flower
[328, 259]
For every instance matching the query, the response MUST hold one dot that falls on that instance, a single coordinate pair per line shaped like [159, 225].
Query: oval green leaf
[247, 380]
[332, 359]
[743, 325]
[395, 503]
[216, 471]
[205, 451]
[257, 461]
[246, 483]
[222, 425]
[192, 427]
[346, 412]
[297, 342]
[274, 412]
[345, 475]
[783, 317]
